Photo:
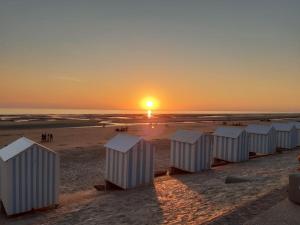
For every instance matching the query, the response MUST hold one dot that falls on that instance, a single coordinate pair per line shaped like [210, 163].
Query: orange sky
[218, 92]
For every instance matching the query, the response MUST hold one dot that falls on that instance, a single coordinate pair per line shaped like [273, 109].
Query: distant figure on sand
[122, 129]
[46, 137]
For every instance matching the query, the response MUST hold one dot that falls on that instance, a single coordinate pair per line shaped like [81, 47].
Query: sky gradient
[190, 55]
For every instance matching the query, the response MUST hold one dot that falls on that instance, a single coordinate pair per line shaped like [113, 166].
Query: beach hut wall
[129, 161]
[230, 144]
[261, 138]
[297, 126]
[191, 151]
[286, 135]
[29, 177]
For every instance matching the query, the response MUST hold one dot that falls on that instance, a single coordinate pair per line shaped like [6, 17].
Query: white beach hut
[191, 150]
[286, 135]
[29, 177]
[230, 144]
[297, 126]
[261, 138]
[129, 161]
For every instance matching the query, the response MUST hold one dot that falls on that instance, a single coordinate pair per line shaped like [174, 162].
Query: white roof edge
[123, 142]
[283, 126]
[296, 124]
[18, 146]
[229, 131]
[188, 136]
[259, 128]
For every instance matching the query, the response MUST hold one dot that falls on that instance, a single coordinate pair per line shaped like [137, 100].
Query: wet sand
[201, 198]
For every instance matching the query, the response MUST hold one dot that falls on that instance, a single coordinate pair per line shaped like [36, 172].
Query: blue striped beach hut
[29, 177]
[129, 161]
[297, 126]
[286, 135]
[191, 150]
[261, 138]
[230, 144]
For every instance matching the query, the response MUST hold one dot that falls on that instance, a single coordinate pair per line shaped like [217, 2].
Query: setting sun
[149, 104]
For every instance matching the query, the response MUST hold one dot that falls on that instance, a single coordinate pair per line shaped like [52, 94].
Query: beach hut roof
[15, 148]
[231, 132]
[187, 136]
[283, 126]
[258, 128]
[296, 124]
[122, 142]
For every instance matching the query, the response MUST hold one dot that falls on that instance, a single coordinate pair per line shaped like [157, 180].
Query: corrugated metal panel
[298, 137]
[231, 149]
[262, 143]
[192, 157]
[286, 139]
[31, 181]
[132, 168]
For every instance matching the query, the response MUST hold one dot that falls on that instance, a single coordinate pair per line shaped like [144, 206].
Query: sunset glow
[149, 104]
[149, 113]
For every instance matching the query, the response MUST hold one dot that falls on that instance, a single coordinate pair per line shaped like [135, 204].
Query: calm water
[15, 111]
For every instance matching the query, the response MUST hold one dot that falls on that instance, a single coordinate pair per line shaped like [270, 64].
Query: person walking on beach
[51, 137]
[43, 137]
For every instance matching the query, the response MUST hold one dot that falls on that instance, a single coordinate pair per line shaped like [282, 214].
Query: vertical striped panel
[286, 139]
[192, 157]
[298, 137]
[23, 184]
[172, 153]
[231, 149]
[133, 152]
[16, 186]
[34, 160]
[148, 163]
[294, 138]
[261, 143]
[125, 171]
[31, 182]
[132, 168]
[28, 178]
[107, 160]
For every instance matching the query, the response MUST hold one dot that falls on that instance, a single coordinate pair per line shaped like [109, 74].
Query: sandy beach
[201, 198]
[103, 104]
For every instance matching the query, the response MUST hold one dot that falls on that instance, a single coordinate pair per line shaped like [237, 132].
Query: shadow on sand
[135, 206]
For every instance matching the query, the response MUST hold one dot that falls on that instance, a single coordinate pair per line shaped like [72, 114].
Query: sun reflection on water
[149, 114]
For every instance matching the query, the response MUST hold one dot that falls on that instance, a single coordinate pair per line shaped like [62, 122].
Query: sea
[20, 111]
